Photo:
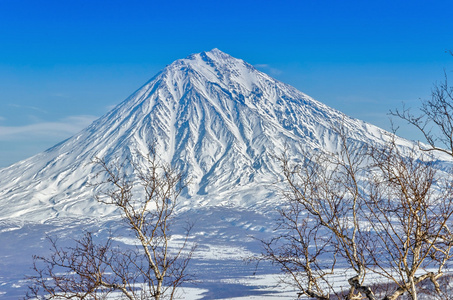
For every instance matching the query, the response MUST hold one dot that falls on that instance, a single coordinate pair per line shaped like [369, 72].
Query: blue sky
[65, 63]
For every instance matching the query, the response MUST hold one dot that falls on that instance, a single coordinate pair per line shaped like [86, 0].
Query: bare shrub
[374, 213]
[152, 269]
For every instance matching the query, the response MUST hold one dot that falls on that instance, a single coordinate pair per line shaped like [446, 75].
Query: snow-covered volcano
[213, 116]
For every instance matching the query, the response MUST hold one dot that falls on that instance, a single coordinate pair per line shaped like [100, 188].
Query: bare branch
[154, 269]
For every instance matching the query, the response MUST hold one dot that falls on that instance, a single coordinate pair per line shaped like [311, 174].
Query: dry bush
[151, 270]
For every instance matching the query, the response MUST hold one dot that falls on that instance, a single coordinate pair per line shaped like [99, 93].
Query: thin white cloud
[2, 118]
[28, 107]
[110, 107]
[46, 130]
[268, 69]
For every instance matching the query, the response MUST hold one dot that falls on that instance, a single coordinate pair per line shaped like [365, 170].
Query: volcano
[213, 117]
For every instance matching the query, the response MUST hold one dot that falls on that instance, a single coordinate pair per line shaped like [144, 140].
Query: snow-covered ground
[219, 263]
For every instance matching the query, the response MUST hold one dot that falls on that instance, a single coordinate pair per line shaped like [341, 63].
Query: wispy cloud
[110, 107]
[262, 66]
[28, 107]
[268, 69]
[2, 118]
[58, 129]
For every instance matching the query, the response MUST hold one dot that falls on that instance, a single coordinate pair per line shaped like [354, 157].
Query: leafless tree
[152, 269]
[297, 250]
[435, 120]
[409, 213]
[321, 221]
[365, 211]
